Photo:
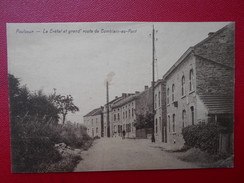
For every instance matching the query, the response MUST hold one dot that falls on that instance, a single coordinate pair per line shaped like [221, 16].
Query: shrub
[202, 136]
[31, 146]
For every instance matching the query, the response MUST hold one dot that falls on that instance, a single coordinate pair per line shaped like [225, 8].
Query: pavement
[111, 154]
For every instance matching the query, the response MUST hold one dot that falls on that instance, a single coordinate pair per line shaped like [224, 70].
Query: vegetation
[64, 104]
[144, 121]
[202, 136]
[35, 130]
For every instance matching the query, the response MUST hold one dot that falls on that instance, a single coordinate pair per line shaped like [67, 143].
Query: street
[108, 154]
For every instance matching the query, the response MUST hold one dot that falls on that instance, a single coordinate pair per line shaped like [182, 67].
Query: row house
[107, 113]
[199, 86]
[125, 111]
[94, 123]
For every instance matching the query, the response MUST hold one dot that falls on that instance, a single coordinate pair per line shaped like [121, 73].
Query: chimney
[137, 92]
[116, 97]
[124, 95]
[211, 33]
[146, 87]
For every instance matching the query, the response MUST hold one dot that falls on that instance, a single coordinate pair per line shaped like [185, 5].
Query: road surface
[108, 154]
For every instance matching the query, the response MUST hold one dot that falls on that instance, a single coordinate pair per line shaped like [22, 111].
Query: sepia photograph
[115, 96]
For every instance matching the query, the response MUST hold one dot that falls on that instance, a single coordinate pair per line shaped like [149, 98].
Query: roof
[125, 100]
[191, 50]
[94, 112]
[128, 99]
[114, 100]
[159, 81]
[218, 104]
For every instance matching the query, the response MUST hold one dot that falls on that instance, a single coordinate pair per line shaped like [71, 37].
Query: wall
[93, 124]
[182, 102]
[220, 47]
[160, 119]
[213, 78]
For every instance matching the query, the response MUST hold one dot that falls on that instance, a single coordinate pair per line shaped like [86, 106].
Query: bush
[32, 146]
[202, 136]
[35, 129]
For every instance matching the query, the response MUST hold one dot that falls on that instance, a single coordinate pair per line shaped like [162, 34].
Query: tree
[144, 121]
[65, 104]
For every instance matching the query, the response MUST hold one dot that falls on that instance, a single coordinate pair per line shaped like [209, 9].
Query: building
[199, 86]
[125, 111]
[94, 122]
[108, 117]
[160, 117]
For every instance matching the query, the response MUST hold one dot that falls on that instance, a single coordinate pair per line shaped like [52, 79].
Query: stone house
[160, 117]
[200, 86]
[94, 123]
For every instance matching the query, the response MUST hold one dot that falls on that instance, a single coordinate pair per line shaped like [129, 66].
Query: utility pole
[153, 60]
[108, 123]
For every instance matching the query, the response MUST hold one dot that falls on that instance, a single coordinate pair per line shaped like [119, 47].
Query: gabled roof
[94, 112]
[128, 99]
[114, 100]
[218, 104]
[191, 50]
[125, 100]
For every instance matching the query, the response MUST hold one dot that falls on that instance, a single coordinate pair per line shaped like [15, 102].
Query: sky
[78, 58]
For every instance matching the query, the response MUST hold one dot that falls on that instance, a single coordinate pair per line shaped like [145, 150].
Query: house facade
[125, 111]
[199, 86]
[94, 123]
[108, 117]
[160, 119]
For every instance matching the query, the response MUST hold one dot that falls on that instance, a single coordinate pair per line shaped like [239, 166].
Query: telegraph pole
[108, 123]
[153, 60]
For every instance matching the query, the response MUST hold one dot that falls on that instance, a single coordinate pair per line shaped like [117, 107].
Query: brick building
[94, 122]
[199, 86]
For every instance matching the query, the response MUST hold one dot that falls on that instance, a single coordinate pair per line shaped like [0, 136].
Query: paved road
[117, 154]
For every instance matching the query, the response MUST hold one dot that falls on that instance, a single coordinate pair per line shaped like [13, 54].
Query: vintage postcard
[111, 96]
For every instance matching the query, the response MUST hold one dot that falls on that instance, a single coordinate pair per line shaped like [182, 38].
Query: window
[96, 130]
[114, 117]
[160, 123]
[173, 92]
[156, 126]
[123, 115]
[192, 115]
[155, 102]
[126, 114]
[169, 122]
[159, 99]
[92, 122]
[168, 96]
[129, 113]
[183, 85]
[173, 122]
[118, 116]
[191, 80]
[132, 112]
[183, 118]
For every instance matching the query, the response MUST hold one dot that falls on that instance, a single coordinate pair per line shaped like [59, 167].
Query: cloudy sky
[76, 58]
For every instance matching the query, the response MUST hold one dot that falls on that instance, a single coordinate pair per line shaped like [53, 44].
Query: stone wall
[219, 47]
[213, 78]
